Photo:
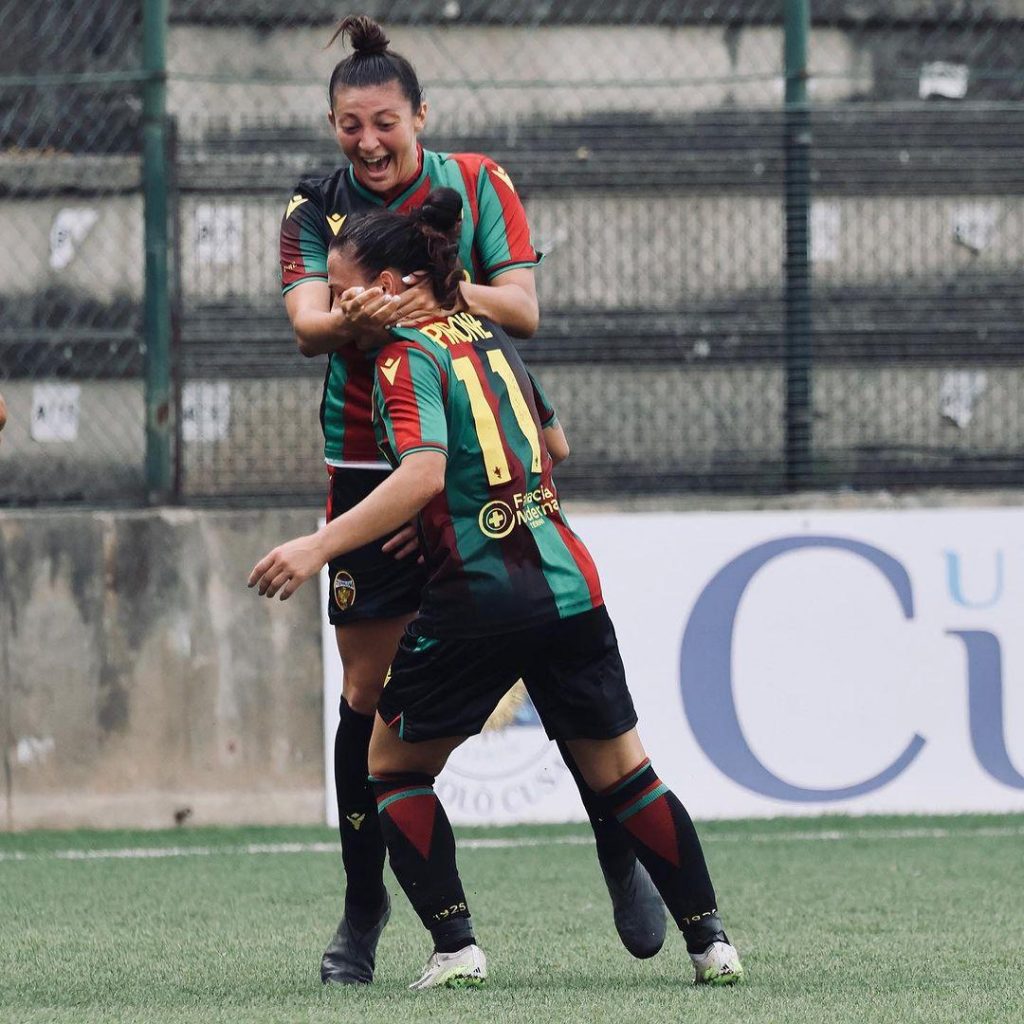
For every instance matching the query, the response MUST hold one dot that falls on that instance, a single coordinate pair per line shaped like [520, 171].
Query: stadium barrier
[788, 663]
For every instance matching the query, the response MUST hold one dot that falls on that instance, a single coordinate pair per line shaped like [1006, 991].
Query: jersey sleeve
[502, 239]
[409, 399]
[303, 246]
[545, 409]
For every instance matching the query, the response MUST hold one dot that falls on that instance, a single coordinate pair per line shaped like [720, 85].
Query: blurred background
[741, 295]
[784, 263]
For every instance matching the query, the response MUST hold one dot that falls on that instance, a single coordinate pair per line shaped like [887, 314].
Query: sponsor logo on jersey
[296, 202]
[344, 590]
[334, 222]
[496, 520]
[390, 368]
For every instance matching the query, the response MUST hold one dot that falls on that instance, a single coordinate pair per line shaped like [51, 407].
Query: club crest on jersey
[294, 204]
[496, 520]
[334, 222]
[344, 590]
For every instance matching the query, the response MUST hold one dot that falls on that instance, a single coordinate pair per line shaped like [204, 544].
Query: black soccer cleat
[637, 908]
[351, 956]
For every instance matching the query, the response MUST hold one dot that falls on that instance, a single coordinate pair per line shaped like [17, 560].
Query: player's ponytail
[371, 61]
[438, 219]
[425, 240]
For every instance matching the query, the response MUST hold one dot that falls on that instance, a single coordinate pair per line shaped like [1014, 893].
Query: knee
[361, 687]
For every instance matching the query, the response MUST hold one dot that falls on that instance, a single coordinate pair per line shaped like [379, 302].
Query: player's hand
[404, 543]
[418, 302]
[368, 312]
[287, 567]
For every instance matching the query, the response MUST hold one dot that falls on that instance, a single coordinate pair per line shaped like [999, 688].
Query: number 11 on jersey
[487, 432]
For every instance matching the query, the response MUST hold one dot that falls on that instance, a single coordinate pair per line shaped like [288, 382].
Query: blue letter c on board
[705, 671]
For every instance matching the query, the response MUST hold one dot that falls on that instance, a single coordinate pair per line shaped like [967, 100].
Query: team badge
[390, 368]
[344, 590]
[334, 222]
[296, 202]
[355, 819]
[496, 520]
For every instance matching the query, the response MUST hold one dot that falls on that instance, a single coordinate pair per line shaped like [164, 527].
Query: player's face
[376, 128]
[343, 273]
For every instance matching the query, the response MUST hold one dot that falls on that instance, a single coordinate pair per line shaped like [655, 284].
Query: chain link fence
[650, 142]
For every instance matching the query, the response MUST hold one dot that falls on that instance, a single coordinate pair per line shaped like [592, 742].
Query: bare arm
[510, 301]
[393, 503]
[322, 326]
[557, 445]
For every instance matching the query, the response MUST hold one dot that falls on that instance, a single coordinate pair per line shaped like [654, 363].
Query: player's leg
[440, 692]
[372, 598]
[366, 650]
[579, 689]
[665, 839]
[637, 908]
[421, 845]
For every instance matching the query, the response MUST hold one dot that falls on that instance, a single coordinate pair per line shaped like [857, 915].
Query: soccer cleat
[466, 968]
[719, 964]
[637, 909]
[351, 955]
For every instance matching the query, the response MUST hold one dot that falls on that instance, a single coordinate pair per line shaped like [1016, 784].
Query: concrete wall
[139, 678]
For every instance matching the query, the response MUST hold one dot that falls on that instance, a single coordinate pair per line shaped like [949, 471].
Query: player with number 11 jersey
[499, 551]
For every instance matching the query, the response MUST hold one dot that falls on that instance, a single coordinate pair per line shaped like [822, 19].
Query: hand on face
[283, 570]
[369, 312]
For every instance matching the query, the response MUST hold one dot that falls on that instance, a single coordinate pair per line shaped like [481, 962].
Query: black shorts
[571, 668]
[367, 583]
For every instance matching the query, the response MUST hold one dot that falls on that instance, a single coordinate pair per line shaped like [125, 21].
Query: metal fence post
[157, 307]
[798, 455]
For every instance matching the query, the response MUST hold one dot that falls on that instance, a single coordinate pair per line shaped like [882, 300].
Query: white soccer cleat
[466, 968]
[719, 964]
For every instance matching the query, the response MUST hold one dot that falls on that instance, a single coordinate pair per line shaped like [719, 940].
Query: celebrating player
[377, 111]
[511, 592]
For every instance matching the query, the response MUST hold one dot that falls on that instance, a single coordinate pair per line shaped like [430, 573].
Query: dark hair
[371, 62]
[425, 239]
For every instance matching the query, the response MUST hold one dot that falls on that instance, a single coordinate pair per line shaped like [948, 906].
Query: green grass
[872, 927]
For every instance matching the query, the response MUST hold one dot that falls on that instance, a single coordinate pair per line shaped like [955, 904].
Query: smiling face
[376, 128]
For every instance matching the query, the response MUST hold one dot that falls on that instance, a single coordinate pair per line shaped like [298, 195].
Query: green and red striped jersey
[495, 238]
[500, 554]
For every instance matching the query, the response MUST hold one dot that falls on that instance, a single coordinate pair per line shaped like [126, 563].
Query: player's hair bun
[441, 210]
[365, 36]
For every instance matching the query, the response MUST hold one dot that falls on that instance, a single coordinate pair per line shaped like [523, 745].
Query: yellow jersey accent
[334, 222]
[296, 202]
[390, 368]
[503, 174]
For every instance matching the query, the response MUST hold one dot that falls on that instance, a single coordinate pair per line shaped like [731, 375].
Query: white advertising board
[792, 663]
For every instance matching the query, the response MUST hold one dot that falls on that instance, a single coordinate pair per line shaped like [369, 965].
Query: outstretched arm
[419, 477]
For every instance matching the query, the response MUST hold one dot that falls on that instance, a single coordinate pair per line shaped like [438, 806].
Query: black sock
[667, 845]
[421, 846]
[362, 845]
[614, 846]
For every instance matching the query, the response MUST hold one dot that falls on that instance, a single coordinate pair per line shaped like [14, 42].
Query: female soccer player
[511, 592]
[377, 111]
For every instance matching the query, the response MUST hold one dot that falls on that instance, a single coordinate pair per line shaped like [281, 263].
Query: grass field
[874, 920]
